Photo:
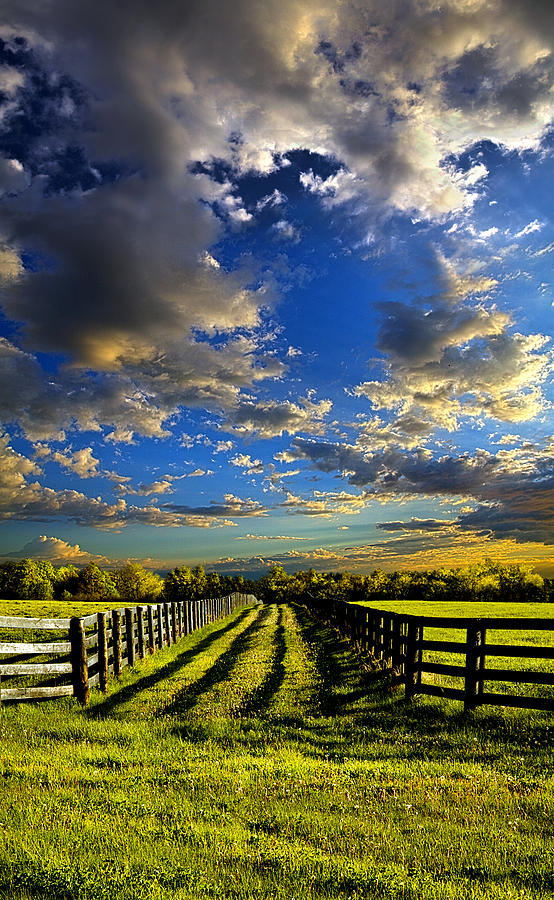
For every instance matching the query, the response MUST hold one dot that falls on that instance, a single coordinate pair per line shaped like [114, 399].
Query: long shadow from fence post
[261, 695]
[338, 664]
[125, 694]
[186, 699]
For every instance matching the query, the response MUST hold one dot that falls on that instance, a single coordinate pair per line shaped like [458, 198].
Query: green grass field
[56, 609]
[259, 758]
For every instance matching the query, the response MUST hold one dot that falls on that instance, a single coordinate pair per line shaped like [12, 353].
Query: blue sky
[276, 283]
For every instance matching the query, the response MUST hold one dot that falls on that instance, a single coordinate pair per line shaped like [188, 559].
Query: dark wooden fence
[45, 658]
[398, 642]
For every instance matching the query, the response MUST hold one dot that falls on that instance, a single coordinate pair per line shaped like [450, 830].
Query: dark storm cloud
[397, 472]
[514, 489]
[522, 509]
[272, 418]
[452, 355]
[431, 525]
[233, 507]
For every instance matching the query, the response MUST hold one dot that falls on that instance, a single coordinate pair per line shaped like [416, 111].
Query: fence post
[387, 642]
[472, 680]
[482, 655]
[79, 666]
[173, 611]
[413, 648]
[140, 629]
[129, 628]
[167, 624]
[116, 641]
[359, 627]
[396, 648]
[150, 615]
[160, 626]
[375, 635]
[102, 652]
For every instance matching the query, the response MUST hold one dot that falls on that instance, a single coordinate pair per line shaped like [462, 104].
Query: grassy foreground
[257, 759]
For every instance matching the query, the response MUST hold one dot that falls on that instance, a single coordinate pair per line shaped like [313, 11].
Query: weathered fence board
[34, 669]
[35, 647]
[38, 624]
[37, 693]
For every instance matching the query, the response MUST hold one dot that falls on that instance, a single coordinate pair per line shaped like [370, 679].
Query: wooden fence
[398, 642]
[69, 656]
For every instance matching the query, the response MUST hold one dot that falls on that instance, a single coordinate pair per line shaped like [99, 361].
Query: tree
[200, 582]
[273, 587]
[213, 585]
[178, 584]
[30, 580]
[95, 584]
[66, 582]
[136, 584]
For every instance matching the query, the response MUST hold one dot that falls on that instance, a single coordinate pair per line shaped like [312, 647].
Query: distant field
[56, 609]
[464, 610]
[257, 759]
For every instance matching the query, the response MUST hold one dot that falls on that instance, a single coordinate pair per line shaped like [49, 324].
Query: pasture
[261, 758]
[51, 609]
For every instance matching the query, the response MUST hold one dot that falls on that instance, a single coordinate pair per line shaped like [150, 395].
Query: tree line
[29, 579]
[488, 581]
[485, 581]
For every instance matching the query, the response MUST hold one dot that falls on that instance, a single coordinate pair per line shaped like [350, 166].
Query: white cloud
[530, 228]
[82, 462]
[245, 461]
[325, 504]
[276, 198]
[222, 446]
[162, 486]
[285, 231]
[26, 499]
[56, 551]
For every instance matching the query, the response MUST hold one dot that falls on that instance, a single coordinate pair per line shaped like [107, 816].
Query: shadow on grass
[358, 706]
[187, 698]
[130, 691]
[345, 677]
[261, 696]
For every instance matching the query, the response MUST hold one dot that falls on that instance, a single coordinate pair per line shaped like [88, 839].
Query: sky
[276, 283]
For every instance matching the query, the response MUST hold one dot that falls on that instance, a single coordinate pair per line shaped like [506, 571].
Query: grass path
[258, 759]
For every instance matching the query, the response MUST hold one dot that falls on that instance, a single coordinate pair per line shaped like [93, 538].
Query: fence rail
[96, 645]
[397, 641]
